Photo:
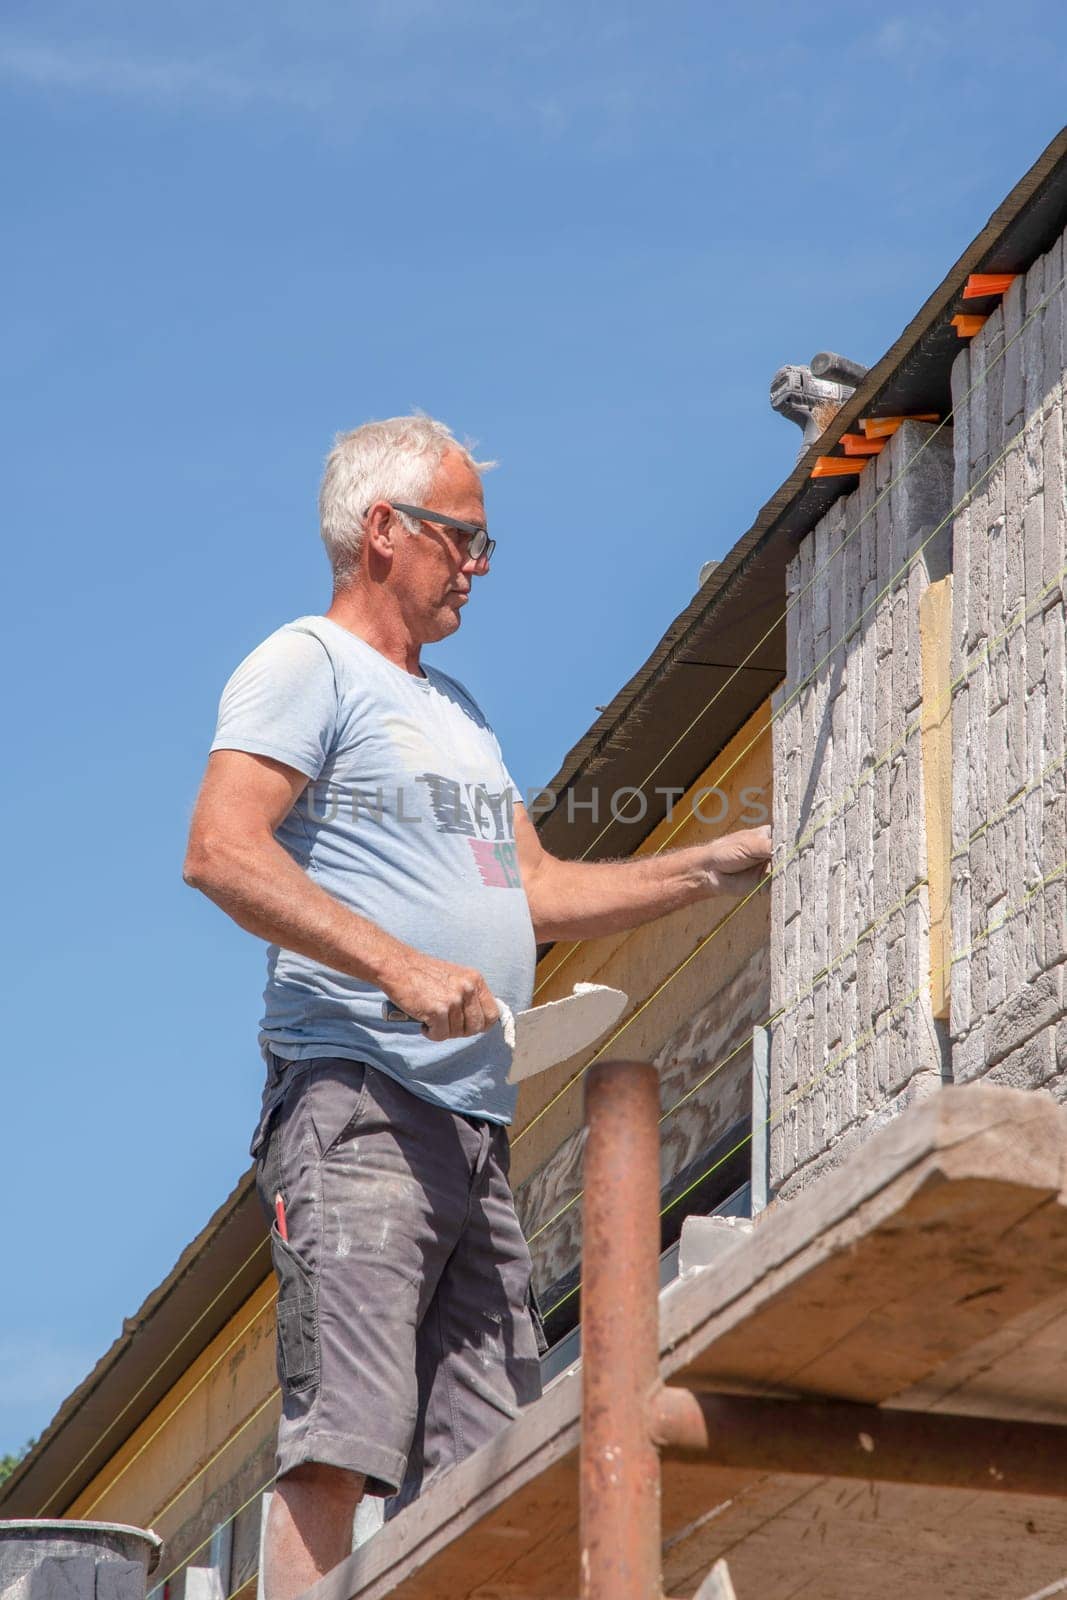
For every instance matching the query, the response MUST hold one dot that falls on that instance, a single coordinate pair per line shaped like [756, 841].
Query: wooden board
[946, 1236]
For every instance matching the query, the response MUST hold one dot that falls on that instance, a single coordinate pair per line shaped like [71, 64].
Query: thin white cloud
[160, 81]
[910, 41]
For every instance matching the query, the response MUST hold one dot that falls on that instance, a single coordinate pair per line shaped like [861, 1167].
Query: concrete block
[1012, 393]
[1022, 1014]
[1053, 910]
[970, 1058]
[805, 638]
[1028, 1067]
[960, 384]
[977, 762]
[852, 558]
[837, 554]
[917, 1048]
[1001, 932]
[705, 1240]
[961, 1012]
[819, 1049]
[1054, 509]
[978, 440]
[978, 585]
[824, 572]
[1036, 310]
[1054, 330]
[782, 1151]
[792, 617]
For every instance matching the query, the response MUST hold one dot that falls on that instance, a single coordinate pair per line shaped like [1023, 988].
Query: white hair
[392, 460]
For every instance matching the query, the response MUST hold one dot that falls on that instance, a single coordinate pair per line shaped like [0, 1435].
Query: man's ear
[379, 528]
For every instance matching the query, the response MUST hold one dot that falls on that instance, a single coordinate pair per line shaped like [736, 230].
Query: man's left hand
[738, 862]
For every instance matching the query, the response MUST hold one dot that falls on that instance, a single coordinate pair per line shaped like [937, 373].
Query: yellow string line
[184, 1562]
[824, 972]
[848, 1050]
[977, 660]
[988, 368]
[117, 1418]
[545, 1109]
[167, 1420]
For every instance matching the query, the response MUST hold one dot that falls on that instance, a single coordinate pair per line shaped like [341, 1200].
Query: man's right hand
[451, 1002]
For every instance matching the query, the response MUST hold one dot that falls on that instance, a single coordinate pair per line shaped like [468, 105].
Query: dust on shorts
[405, 1339]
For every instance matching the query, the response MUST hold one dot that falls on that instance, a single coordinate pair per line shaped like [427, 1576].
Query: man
[357, 814]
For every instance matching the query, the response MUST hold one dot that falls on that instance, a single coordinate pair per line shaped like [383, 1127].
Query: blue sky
[585, 235]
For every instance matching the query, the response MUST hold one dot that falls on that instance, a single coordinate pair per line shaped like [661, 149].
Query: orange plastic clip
[980, 284]
[854, 444]
[967, 324]
[836, 467]
[882, 427]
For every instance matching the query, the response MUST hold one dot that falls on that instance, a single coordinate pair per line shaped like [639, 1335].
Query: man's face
[432, 570]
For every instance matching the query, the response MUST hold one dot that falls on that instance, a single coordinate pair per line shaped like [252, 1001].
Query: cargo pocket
[297, 1318]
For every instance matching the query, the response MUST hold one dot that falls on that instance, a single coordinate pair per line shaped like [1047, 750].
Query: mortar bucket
[75, 1560]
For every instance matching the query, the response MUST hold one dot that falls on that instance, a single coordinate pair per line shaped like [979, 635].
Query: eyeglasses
[480, 543]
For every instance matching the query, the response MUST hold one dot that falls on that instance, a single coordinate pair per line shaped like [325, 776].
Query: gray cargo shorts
[405, 1339]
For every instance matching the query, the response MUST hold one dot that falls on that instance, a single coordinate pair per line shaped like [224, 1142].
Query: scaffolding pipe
[620, 1471]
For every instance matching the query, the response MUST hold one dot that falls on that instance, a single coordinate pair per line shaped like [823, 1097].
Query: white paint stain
[344, 1240]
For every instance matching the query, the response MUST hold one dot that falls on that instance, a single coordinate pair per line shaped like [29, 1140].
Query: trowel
[545, 1035]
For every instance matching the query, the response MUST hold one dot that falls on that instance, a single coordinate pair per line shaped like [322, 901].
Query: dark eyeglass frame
[480, 543]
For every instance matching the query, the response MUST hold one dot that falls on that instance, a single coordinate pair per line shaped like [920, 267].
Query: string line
[117, 1418]
[157, 1587]
[169, 1418]
[210, 1462]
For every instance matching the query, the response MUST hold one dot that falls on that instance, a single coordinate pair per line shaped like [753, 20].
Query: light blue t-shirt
[408, 819]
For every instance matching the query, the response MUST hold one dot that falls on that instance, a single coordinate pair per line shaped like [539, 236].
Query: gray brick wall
[850, 916]
[1009, 807]
[849, 910]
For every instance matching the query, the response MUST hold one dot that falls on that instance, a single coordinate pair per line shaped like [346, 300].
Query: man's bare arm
[584, 899]
[234, 858]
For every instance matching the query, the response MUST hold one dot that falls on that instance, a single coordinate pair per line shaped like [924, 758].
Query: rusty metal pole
[620, 1469]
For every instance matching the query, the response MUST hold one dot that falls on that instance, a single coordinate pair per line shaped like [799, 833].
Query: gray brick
[1012, 399]
[1053, 342]
[1028, 1067]
[969, 1056]
[992, 400]
[805, 635]
[978, 584]
[1036, 313]
[978, 440]
[1054, 507]
[961, 1010]
[1023, 1013]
